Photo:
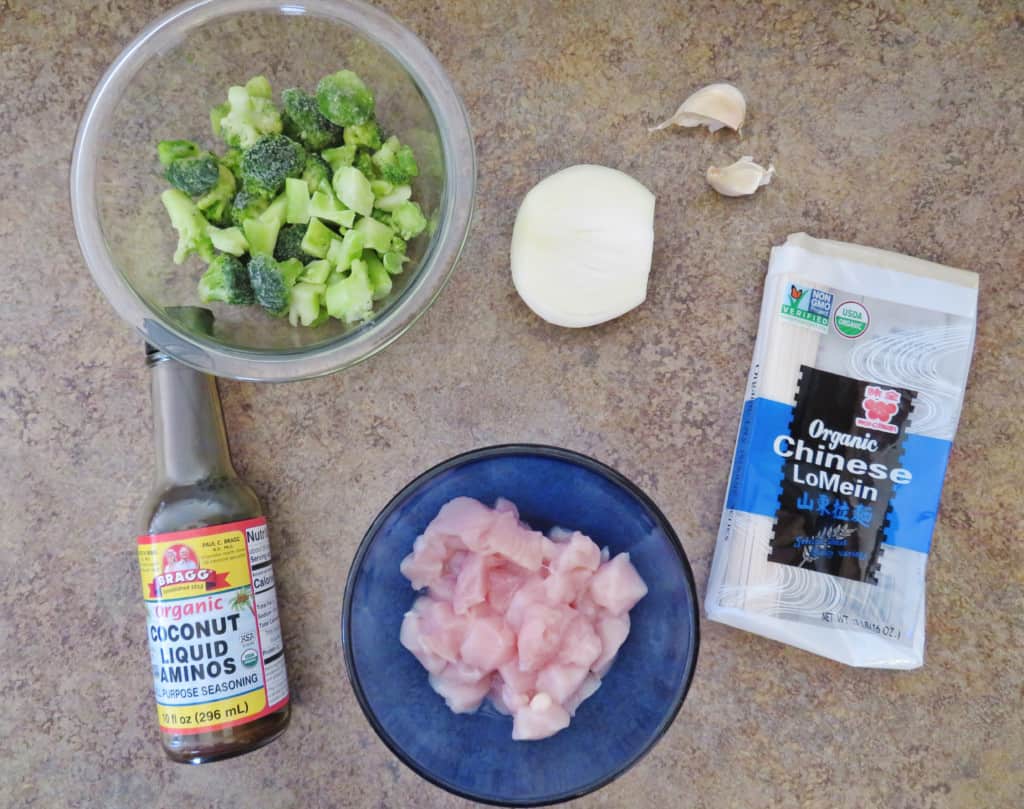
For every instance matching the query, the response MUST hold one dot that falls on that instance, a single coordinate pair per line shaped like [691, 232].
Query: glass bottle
[212, 621]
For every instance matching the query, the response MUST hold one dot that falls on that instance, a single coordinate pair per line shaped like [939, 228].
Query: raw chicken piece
[441, 630]
[613, 631]
[565, 586]
[540, 635]
[617, 586]
[510, 540]
[464, 674]
[543, 717]
[561, 681]
[579, 552]
[471, 585]
[506, 506]
[460, 697]
[465, 518]
[409, 637]
[587, 690]
[424, 565]
[531, 592]
[488, 643]
[581, 644]
[495, 696]
[502, 583]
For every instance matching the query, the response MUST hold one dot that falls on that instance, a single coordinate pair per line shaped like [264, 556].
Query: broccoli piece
[344, 251]
[170, 150]
[318, 238]
[367, 135]
[303, 122]
[268, 284]
[305, 304]
[228, 240]
[248, 115]
[408, 220]
[216, 203]
[353, 189]
[317, 174]
[194, 175]
[392, 199]
[350, 299]
[291, 270]
[396, 162]
[377, 236]
[316, 272]
[365, 164]
[380, 279]
[393, 261]
[193, 229]
[262, 231]
[247, 205]
[339, 156]
[232, 160]
[297, 193]
[227, 280]
[344, 99]
[324, 205]
[398, 244]
[267, 163]
[289, 244]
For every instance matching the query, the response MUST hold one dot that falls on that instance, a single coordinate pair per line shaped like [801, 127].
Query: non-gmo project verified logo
[808, 307]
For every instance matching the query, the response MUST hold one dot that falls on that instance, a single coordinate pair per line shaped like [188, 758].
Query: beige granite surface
[893, 125]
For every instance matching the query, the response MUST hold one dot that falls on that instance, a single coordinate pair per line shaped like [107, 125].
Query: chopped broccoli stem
[390, 201]
[228, 240]
[297, 193]
[366, 134]
[248, 115]
[193, 229]
[324, 205]
[396, 162]
[268, 284]
[194, 175]
[291, 269]
[303, 121]
[316, 272]
[377, 236]
[269, 162]
[344, 99]
[227, 280]
[215, 204]
[170, 150]
[380, 279]
[408, 220]
[261, 237]
[340, 156]
[344, 251]
[353, 189]
[350, 299]
[289, 244]
[305, 303]
[318, 238]
[393, 261]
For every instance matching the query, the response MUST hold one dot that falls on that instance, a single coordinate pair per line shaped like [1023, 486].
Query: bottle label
[214, 634]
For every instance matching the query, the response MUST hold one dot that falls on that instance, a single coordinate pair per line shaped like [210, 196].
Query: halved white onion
[582, 245]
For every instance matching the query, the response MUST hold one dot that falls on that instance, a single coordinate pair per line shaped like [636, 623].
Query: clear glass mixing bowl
[163, 86]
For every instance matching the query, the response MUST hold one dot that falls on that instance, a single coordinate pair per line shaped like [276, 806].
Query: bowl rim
[455, 208]
[502, 450]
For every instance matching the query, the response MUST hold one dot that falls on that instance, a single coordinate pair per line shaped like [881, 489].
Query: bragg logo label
[180, 566]
[879, 406]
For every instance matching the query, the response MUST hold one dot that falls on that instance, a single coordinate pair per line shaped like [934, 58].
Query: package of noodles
[851, 407]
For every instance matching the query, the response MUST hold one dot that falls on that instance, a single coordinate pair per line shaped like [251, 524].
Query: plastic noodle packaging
[851, 406]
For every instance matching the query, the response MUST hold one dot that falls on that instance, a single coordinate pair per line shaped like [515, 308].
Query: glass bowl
[473, 755]
[163, 86]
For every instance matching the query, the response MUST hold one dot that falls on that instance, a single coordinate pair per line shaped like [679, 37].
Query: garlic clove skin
[740, 179]
[715, 106]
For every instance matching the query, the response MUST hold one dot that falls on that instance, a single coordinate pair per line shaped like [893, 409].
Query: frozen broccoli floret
[393, 261]
[170, 150]
[268, 284]
[216, 203]
[194, 175]
[350, 299]
[339, 156]
[365, 164]
[344, 99]
[269, 162]
[305, 303]
[247, 115]
[396, 162]
[367, 134]
[232, 160]
[317, 174]
[303, 121]
[289, 244]
[193, 234]
[247, 205]
[227, 280]
[408, 220]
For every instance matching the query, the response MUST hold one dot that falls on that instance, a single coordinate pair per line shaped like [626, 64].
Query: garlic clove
[740, 179]
[714, 106]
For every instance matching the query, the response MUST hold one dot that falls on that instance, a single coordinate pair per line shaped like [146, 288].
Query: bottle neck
[191, 443]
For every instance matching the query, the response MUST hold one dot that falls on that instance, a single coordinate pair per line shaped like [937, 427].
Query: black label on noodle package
[842, 461]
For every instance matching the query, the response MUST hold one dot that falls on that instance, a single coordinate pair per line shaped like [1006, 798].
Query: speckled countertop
[898, 126]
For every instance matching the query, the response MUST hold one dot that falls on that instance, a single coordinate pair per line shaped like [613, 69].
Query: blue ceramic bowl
[474, 755]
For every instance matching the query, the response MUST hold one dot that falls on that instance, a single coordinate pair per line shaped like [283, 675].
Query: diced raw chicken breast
[465, 518]
[502, 583]
[585, 692]
[557, 534]
[613, 631]
[540, 635]
[495, 696]
[441, 630]
[508, 539]
[531, 592]
[561, 681]
[617, 586]
[471, 585]
[424, 565]
[409, 637]
[543, 717]
[460, 697]
[488, 643]
[565, 586]
[464, 673]
[581, 644]
[506, 507]
[579, 552]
